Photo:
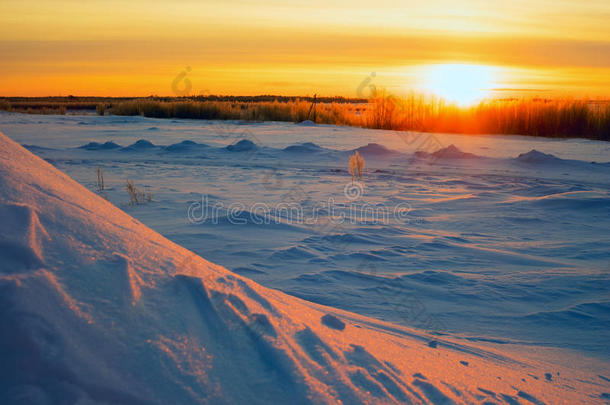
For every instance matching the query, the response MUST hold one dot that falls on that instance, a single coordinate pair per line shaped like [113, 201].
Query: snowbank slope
[96, 307]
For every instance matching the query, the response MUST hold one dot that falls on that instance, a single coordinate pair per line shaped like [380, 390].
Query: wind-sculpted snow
[21, 236]
[450, 152]
[374, 149]
[242, 145]
[490, 250]
[186, 146]
[100, 146]
[95, 307]
[140, 145]
[377, 152]
[307, 147]
[521, 232]
[307, 123]
[535, 156]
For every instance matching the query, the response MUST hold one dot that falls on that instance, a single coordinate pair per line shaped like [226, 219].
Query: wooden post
[313, 107]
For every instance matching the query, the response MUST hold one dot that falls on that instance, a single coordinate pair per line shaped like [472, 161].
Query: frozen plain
[495, 248]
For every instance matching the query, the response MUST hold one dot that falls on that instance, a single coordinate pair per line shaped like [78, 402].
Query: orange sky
[538, 47]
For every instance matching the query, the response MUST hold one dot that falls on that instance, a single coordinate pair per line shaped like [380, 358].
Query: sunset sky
[138, 48]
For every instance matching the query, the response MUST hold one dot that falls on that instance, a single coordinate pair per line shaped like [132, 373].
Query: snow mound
[374, 149]
[95, 307]
[450, 152]
[100, 146]
[534, 156]
[140, 145]
[307, 123]
[242, 146]
[307, 147]
[184, 146]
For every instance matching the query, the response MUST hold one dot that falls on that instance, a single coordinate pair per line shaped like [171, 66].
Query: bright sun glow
[462, 84]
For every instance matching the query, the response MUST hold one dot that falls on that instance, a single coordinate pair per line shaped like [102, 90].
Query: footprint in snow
[333, 322]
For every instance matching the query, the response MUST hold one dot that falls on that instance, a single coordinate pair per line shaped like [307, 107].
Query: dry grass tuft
[356, 166]
[100, 179]
[136, 196]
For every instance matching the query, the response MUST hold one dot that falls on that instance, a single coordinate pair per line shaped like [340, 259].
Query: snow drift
[95, 307]
[307, 147]
[450, 152]
[242, 145]
[374, 149]
[100, 146]
[140, 145]
[534, 156]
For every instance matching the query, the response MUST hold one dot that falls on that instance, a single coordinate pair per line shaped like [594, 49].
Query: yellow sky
[538, 47]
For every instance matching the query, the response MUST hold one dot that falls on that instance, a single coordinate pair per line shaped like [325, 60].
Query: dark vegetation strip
[538, 117]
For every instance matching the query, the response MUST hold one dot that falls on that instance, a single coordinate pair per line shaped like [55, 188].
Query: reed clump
[25, 109]
[534, 116]
[291, 111]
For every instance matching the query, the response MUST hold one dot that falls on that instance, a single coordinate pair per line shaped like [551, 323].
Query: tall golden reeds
[540, 117]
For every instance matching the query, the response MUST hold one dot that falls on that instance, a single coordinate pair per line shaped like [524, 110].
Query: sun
[459, 83]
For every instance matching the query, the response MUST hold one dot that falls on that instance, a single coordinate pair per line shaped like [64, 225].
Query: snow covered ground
[499, 251]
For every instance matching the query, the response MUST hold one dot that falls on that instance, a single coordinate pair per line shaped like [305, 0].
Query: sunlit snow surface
[492, 247]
